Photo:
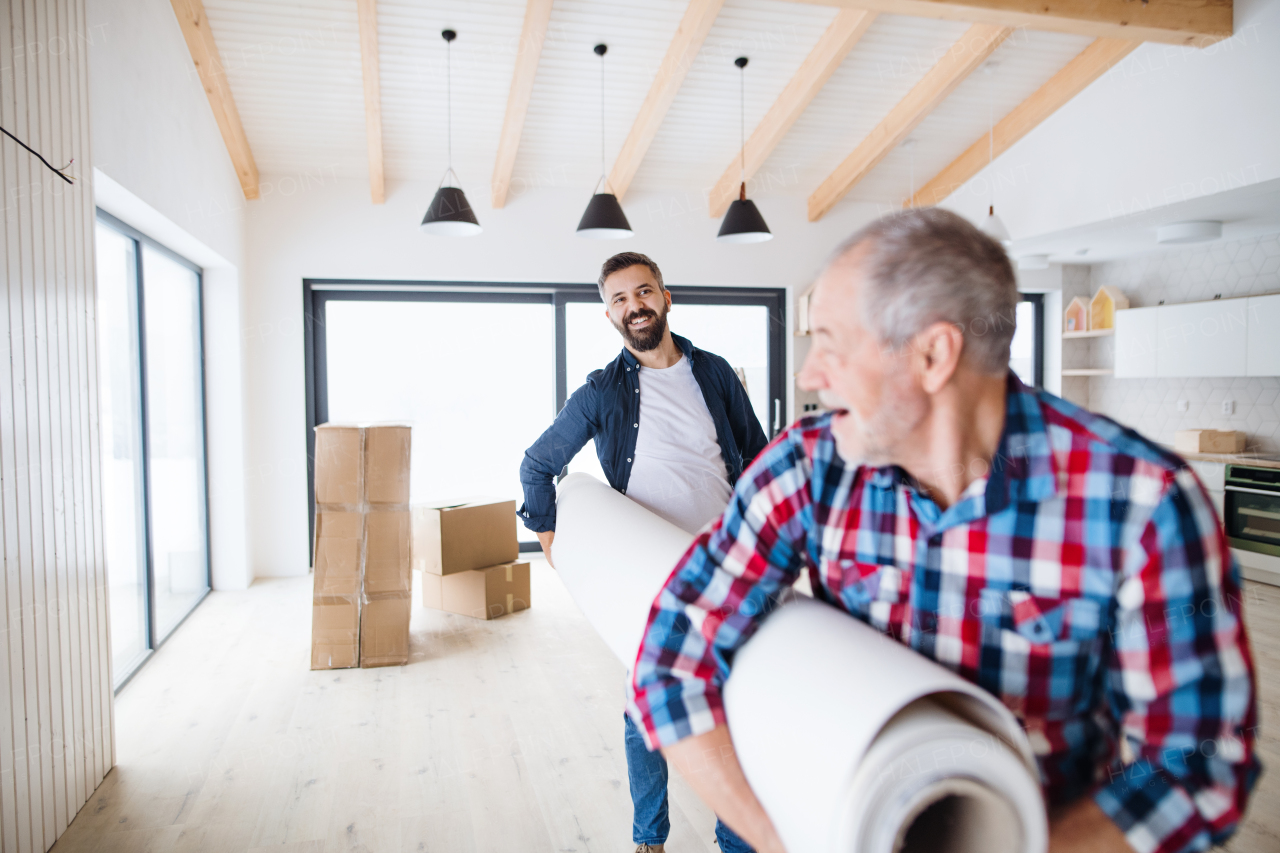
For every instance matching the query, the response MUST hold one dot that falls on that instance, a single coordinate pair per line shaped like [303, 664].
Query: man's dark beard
[649, 337]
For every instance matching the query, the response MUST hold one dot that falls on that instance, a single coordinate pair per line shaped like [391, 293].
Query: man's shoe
[650, 848]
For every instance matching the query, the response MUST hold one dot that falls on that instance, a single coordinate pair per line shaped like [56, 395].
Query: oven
[1251, 509]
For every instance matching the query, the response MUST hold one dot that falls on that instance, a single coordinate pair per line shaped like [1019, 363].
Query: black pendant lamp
[603, 219]
[450, 214]
[743, 222]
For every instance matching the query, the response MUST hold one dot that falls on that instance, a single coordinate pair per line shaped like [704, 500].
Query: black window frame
[318, 292]
[140, 239]
[1037, 353]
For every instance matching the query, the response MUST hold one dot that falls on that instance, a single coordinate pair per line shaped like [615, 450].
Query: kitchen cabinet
[1202, 339]
[1264, 335]
[1136, 335]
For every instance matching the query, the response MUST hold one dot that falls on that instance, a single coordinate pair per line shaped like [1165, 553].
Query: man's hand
[1083, 827]
[546, 537]
[709, 763]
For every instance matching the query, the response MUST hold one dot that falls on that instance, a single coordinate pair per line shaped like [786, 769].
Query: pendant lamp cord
[602, 169]
[448, 88]
[991, 140]
[911, 199]
[742, 121]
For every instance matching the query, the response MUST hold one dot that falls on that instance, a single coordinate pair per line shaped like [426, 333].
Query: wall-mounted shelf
[1092, 333]
[1087, 371]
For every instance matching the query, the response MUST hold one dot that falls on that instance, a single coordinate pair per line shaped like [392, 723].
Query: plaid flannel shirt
[1085, 581]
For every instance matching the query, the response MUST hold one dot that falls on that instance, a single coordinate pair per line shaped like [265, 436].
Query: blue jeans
[647, 776]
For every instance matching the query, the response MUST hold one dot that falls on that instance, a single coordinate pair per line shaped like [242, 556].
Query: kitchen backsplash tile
[1193, 274]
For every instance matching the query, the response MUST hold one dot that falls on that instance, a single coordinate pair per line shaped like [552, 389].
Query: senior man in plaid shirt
[1066, 564]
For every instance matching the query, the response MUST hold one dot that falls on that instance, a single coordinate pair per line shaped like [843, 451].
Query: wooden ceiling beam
[213, 78]
[973, 48]
[692, 32]
[537, 15]
[1196, 23]
[1077, 74]
[368, 14]
[826, 56]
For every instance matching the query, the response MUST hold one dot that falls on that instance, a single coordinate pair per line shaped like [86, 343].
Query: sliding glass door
[151, 397]
[481, 370]
[120, 432]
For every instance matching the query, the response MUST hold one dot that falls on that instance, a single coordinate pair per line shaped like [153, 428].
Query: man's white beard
[901, 410]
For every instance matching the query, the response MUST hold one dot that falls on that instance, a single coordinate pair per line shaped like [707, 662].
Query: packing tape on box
[881, 750]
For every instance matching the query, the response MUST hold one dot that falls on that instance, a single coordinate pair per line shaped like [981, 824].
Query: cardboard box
[335, 632]
[386, 460]
[338, 456]
[386, 562]
[1208, 441]
[482, 593]
[362, 596]
[384, 630]
[460, 537]
[338, 537]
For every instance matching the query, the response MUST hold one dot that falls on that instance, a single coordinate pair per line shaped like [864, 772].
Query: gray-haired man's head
[905, 306]
[931, 265]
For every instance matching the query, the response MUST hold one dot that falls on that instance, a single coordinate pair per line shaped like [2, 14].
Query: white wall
[317, 226]
[1166, 125]
[164, 169]
[56, 717]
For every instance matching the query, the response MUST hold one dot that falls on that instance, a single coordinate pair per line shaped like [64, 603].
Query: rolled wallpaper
[851, 741]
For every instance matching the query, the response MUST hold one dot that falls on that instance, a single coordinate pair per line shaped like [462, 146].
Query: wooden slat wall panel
[56, 741]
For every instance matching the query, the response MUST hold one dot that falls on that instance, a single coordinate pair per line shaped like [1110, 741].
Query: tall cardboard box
[449, 538]
[360, 612]
[482, 593]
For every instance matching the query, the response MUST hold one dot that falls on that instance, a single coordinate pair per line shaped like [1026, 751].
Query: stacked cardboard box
[467, 555]
[360, 611]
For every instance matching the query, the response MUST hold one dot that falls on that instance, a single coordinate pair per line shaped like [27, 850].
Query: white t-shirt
[678, 471]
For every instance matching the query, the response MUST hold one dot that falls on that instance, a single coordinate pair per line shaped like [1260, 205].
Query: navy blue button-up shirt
[607, 408]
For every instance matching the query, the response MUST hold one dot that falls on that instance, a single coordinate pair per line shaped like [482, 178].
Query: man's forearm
[709, 763]
[545, 538]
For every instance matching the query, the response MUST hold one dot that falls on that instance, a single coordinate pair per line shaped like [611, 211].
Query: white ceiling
[295, 72]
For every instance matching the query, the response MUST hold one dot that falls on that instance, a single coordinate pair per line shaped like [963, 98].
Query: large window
[471, 377]
[151, 399]
[1026, 351]
[480, 370]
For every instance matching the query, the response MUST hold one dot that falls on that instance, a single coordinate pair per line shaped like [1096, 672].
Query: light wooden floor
[499, 736]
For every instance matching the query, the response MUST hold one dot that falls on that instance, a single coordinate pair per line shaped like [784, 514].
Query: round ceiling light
[1189, 232]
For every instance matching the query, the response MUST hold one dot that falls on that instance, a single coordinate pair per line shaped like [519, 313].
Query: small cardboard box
[335, 632]
[1208, 441]
[386, 558]
[338, 537]
[384, 630]
[461, 537]
[482, 593]
[338, 450]
[386, 464]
